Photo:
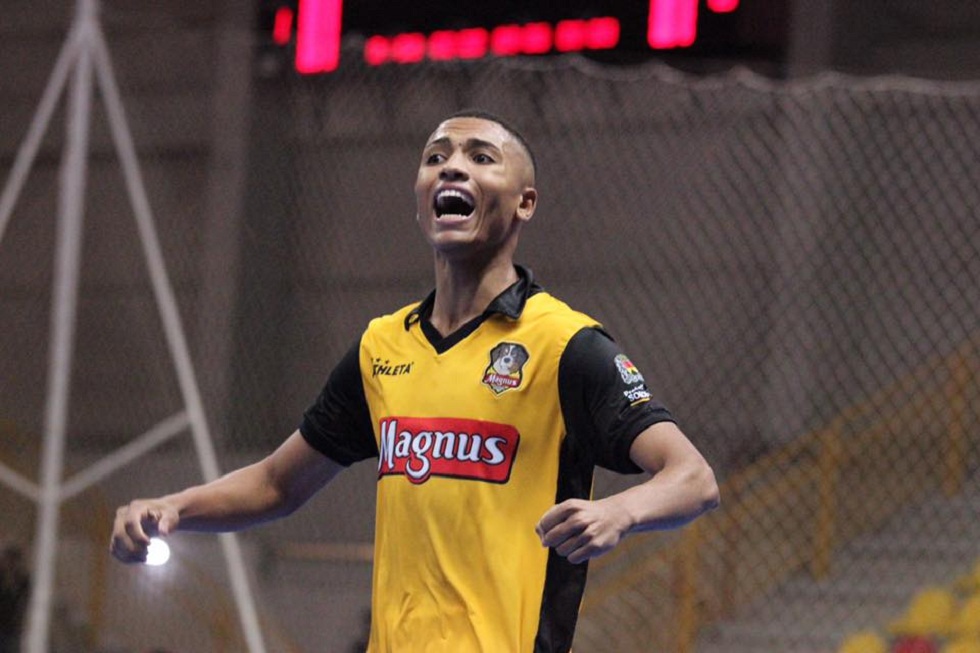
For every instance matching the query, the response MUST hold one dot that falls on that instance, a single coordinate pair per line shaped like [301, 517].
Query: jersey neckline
[509, 303]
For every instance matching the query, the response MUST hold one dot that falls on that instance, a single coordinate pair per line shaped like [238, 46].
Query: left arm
[682, 487]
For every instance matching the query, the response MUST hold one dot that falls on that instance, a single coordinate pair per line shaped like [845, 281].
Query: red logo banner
[421, 447]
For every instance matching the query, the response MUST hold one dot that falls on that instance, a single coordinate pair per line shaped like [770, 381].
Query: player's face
[474, 187]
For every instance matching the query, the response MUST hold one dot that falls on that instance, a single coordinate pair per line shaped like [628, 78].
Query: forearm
[681, 487]
[270, 488]
[671, 498]
[232, 502]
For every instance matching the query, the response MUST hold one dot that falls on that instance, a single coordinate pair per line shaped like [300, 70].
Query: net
[793, 266]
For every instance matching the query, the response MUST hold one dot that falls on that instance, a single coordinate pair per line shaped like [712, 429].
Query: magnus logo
[506, 369]
[420, 447]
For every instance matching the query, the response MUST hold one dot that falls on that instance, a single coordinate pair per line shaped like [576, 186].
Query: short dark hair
[508, 126]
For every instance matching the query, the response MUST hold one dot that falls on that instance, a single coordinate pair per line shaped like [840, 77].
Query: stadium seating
[915, 644]
[966, 622]
[936, 620]
[970, 582]
[865, 641]
[962, 645]
[929, 613]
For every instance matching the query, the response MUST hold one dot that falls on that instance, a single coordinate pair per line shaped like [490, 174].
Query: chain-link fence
[793, 265]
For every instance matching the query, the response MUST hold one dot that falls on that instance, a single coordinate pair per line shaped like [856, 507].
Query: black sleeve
[605, 400]
[338, 424]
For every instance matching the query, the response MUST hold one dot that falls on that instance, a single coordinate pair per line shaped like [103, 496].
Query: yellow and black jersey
[477, 435]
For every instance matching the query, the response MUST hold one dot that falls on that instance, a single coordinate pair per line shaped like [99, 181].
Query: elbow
[285, 506]
[280, 499]
[289, 499]
[707, 490]
[712, 498]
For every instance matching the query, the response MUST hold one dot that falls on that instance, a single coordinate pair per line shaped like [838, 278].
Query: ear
[529, 201]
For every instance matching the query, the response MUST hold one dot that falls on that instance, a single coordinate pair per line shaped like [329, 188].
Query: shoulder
[546, 308]
[394, 320]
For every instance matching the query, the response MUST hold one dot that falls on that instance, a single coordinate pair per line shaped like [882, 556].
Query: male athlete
[487, 406]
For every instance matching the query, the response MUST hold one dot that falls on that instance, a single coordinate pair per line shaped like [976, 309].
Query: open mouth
[453, 202]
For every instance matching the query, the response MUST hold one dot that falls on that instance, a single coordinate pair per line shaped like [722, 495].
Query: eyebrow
[470, 144]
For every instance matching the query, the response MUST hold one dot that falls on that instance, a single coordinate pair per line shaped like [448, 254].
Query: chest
[499, 372]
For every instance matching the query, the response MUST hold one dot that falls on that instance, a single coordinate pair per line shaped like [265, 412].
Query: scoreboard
[314, 33]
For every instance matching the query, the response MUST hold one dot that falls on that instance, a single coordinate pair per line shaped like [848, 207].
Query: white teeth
[450, 192]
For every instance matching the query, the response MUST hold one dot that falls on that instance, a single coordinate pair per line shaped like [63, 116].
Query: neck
[465, 289]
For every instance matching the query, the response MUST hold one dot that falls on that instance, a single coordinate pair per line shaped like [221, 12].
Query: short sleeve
[605, 399]
[338, 424]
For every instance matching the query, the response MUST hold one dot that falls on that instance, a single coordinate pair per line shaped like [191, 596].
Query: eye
[481, 157]
[434, 158]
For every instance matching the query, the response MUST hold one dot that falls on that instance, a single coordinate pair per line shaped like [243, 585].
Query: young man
[487, 404]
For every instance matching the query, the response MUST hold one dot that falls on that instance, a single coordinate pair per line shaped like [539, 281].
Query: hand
[580, 530]
[136, 523]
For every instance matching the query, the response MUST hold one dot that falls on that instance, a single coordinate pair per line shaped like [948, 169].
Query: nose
[452, 170]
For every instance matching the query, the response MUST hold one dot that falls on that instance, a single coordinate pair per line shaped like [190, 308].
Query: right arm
[268, 489]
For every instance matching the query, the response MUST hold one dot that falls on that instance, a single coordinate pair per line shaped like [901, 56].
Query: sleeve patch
[627, 370]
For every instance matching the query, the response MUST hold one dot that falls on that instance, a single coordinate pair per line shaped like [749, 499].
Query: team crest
[628, 370]
[506, 369]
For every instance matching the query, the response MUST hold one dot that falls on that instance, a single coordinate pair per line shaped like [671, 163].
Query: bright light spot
[158, 552]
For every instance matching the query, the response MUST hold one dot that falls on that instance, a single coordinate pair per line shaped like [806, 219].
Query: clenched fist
[136, 523]
[580, 530]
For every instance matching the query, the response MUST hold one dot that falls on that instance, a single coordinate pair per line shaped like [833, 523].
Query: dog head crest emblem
[506, 369]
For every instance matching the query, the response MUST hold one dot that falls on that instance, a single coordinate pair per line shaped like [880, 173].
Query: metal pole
[173, 329]
[18, 483]
[39, 125]
[65, 299]
[136, 448]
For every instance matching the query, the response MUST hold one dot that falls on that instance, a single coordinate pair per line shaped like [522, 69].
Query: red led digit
[722, 6]
[570, 35]
[442, 45]
[408, 48]
[672, 23]
[377, 50]
[318, 36]
[505, 40]
[536, 38]
[282, 27]
[472, 43]
[602, 33]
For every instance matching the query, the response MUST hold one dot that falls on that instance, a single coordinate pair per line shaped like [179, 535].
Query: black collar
[510, 303]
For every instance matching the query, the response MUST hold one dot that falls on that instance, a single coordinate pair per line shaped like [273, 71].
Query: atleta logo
[421, 447]
[506, 369]
[384, 367]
